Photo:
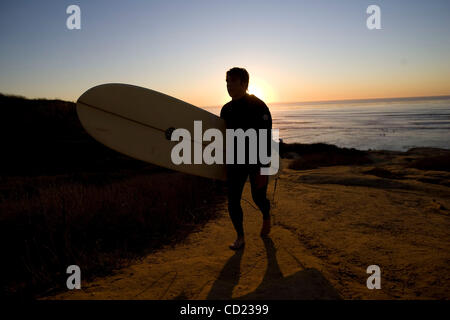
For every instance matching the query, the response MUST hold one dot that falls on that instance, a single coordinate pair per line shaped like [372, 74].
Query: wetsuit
[245, 113]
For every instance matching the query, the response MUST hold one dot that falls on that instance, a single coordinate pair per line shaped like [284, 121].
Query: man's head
[237, 82]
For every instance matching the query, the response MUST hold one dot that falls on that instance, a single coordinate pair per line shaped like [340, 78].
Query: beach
[329, 224]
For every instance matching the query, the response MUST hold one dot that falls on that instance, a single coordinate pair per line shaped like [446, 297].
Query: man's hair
[239, 73]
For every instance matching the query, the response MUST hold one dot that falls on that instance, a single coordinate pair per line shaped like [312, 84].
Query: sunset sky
[293, 50]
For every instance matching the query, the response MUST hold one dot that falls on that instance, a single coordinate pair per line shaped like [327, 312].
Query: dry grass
[66, 199]
[311, 156]
[97, 227]
[440, 163]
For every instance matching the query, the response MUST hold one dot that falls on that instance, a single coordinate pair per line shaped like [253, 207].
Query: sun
[260, 89]
[256, 91]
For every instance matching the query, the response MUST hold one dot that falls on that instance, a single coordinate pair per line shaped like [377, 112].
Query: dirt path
[329, 225]
[202, 267]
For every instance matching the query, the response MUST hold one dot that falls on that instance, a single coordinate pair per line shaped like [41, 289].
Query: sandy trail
[329, 225]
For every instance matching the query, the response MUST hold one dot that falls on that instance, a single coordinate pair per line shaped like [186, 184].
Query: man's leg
[235, 182]
[259, 185]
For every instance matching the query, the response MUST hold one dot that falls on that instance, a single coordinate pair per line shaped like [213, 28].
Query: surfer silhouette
[245, 111]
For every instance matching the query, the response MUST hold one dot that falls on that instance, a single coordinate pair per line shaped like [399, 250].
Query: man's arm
[269, 130]
[266, 123]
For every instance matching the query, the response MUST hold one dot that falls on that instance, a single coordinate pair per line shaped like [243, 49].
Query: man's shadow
[303, 285]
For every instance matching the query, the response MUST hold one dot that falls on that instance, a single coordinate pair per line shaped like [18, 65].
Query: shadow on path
[305, 284]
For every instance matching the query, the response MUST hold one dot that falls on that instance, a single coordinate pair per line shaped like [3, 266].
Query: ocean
[380, 124]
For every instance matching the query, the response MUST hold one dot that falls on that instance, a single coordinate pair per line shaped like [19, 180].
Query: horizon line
[352, 100]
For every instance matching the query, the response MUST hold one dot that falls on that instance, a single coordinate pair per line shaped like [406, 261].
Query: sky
[293, 50]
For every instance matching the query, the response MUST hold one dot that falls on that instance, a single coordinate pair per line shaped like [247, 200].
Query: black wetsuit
[245, 113]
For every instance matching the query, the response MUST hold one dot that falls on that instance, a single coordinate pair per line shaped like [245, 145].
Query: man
[245, 111]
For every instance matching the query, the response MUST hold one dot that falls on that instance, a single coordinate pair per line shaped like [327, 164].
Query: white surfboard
[138, 122]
